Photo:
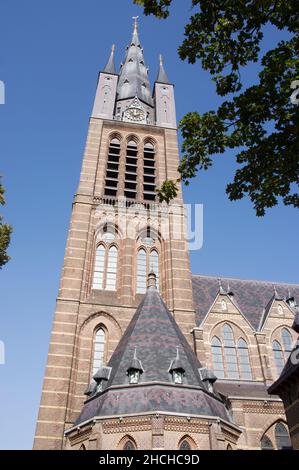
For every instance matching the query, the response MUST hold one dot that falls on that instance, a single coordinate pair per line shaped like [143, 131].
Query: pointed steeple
[162, 76]
[110, 66]
[133, 79]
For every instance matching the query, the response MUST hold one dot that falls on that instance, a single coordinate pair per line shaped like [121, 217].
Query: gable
[251, 297]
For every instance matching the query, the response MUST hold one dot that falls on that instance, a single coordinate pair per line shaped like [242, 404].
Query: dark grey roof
[110, 66]
[133, 75]
[252, 297]
[155, 334]
[162, 76]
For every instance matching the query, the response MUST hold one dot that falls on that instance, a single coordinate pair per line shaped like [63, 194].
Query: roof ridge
[245, 280]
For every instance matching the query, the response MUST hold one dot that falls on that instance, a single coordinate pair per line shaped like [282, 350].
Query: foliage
[261, 121]
[5, 233]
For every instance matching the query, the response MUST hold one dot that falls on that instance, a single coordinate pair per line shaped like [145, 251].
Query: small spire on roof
[162, 76]
[152, 279]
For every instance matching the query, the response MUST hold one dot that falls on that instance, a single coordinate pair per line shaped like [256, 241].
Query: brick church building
[143, 354]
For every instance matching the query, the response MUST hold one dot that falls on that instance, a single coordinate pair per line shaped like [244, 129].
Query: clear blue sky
[50, 54]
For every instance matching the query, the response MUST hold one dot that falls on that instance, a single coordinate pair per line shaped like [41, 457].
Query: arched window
[154, 264]
[111, 181]
[129, 445]
[217, 357]
[278, 356]
[141, 271]
[229, 447]
[98, 350]
[149, 172]
[244, 363]
[282, 347]
[266, 443]
[99, 268]
[131, 170]
[282, 437]
[223, 305]
[105, 266]
[111, 268]
[82, 447]
[230, 359]
[230, 355]
[287, 342]
[184, 445]
[148, 258]
[280, 309]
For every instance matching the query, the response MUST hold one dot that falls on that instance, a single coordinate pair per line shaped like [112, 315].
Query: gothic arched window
[111, 268]
[141, 271]
[230, 358]
[184, 445]
[106, 259]
[147, 260]
[99, 267]
[149, 172]
[217, 357]
[287, 342]
[278, 356]
[98, 350]
[111, 181]
[282, 437]
[244, 363]
[131, 170]
[266, 443]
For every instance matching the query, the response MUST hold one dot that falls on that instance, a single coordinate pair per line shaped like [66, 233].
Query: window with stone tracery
[282, 348]
[230, 356]
[106, 261]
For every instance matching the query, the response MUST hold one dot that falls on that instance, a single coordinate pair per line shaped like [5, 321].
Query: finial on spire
[152, 279]
[161, 59]
[113, 48]
[135, 18]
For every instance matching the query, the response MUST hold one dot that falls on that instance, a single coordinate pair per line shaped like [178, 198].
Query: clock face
[135, 114]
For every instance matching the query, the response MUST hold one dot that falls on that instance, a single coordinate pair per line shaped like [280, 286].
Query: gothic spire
[110, 67]
[133, 80]
[162, 76]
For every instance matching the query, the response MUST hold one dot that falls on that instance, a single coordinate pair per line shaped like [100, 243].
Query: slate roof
[156, 336]
[252, 297]
[133, 75]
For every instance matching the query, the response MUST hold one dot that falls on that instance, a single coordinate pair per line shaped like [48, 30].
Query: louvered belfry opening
[131, 170]
[149, 173]
[111, 181]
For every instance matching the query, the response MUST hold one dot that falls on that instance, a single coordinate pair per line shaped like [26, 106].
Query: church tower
[118, 234]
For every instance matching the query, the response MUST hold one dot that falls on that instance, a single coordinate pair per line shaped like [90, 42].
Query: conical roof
[110, 66]
[162, 76]
[155, 334]
[133, 75]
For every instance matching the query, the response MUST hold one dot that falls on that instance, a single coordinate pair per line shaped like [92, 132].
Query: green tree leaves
[225, 35]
